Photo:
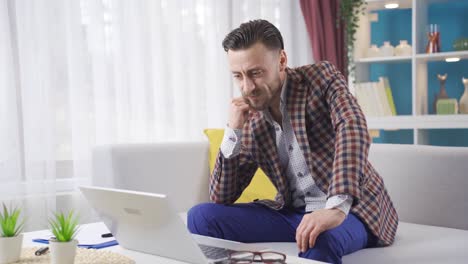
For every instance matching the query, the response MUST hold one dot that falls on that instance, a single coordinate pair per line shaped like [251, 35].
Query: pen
[41, 251]
[106, 235]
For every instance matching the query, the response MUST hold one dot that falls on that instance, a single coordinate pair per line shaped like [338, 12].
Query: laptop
[156, 168]
[146, 222]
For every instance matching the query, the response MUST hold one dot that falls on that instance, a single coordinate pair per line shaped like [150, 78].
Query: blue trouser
[251, 222]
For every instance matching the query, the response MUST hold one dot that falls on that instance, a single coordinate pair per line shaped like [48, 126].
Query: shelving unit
[384, 59]
[418, 122]
[441, 56]
[413, 78]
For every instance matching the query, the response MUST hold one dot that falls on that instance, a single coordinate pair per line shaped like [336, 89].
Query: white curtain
[75, 74]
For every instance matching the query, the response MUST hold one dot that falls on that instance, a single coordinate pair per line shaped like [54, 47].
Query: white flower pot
[10, 248]
[62, 252]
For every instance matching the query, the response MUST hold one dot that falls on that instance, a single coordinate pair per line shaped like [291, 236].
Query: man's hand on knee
[313, 224]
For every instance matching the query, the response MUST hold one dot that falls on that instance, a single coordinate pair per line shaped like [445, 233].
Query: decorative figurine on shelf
[386, 50]
[404, 49]
[373, 51]
[447, 106]
[442, 104]
[433, 39]
[460, 44]
[442, 92]
[464, 98]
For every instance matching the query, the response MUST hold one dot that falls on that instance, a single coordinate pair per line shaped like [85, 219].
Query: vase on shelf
[461, 44]
[386, 50]
[447, 106]
[442, 92]
[433, 39]
[373, 51]
[463, 104]
[403, 49]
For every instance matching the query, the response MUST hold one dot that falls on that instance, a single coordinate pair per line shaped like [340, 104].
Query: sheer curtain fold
[10, 145]
[76, 74]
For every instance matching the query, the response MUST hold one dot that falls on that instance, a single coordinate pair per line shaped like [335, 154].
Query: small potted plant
[11, 239]
[64, 227]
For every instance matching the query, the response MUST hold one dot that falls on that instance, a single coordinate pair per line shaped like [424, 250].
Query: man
[308, 134]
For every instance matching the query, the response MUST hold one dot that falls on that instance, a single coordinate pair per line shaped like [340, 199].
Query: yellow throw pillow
[259, 188]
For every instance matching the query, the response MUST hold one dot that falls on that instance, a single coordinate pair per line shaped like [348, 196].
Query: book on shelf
[384, 98]
[361, 98]
[375, 98]
[388, 90]
[376, 103]
[369, 98]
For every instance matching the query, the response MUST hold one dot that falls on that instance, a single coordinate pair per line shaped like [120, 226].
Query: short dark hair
[249, 33]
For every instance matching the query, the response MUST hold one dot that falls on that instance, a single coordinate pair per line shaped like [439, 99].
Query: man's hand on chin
[313, 224]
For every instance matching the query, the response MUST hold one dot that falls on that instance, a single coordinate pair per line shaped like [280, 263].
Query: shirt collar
[267, 113]
[283, 94]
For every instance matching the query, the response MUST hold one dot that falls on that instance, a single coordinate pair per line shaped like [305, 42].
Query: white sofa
[428, 185]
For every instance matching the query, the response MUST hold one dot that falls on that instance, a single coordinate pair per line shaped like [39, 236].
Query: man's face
[257, 72]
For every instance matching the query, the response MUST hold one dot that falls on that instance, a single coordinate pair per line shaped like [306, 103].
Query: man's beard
[257, 107]
[264, 96]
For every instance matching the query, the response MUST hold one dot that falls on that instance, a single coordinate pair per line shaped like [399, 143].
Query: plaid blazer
[332, 133]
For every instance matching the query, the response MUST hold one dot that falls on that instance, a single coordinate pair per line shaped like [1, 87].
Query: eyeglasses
[241, 257]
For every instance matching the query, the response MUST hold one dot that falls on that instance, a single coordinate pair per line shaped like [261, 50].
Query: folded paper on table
[94, 246]
[89, 236]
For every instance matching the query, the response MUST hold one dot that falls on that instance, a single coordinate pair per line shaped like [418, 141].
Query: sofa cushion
[427, 184]
[414, 243]
[259, 188]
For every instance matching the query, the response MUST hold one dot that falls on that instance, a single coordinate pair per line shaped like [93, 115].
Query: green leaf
[349, 12]
[64, 226]
[9, 222]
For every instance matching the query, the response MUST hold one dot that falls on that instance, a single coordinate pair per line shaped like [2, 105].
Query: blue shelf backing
[393, 26]
[453, 20]
[399, 76]
[402, 136]
[448, 137]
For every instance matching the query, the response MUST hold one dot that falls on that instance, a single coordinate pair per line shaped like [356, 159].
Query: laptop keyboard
[214, 252]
